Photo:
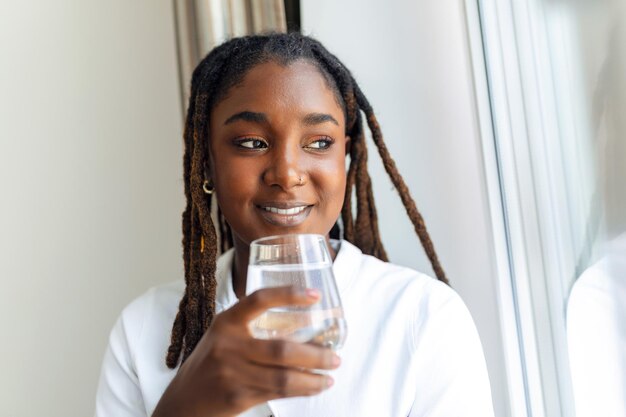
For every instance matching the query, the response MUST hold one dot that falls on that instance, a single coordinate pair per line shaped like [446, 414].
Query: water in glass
[302, 261]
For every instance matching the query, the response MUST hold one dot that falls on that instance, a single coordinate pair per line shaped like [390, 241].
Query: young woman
[270, 123]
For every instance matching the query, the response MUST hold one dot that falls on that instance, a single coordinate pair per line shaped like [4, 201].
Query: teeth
[287, 212]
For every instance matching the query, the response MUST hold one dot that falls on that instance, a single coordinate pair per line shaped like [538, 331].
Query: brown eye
[320, 144]
[252, 143]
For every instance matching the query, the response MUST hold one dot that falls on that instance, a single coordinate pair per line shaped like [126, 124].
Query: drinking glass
[301, 260]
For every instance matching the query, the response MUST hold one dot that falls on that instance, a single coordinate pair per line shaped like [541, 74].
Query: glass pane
[586, 41]
[557, 77]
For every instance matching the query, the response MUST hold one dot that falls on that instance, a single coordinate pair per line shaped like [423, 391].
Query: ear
[348, 145]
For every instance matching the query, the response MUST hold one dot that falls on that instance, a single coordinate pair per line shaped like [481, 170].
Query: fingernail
[336, 360]
[312, 293]
[329, 382]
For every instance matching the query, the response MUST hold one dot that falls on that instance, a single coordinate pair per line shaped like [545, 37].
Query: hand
[229, 371]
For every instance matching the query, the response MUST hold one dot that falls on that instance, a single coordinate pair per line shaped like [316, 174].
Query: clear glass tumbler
[302, 260]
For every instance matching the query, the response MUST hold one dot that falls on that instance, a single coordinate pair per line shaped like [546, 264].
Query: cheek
[331, 180]
[234, 184]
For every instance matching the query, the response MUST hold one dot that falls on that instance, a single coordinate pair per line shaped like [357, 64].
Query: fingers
[291, 354]
[273, 368]
[276, 382]
[259, 301]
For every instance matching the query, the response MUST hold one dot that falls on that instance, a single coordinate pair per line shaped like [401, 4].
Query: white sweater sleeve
[451, 364]
[118, 393]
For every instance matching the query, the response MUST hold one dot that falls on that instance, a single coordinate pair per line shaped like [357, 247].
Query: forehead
[274, 88]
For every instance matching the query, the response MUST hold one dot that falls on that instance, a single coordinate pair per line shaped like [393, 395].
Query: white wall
[412, 60]
[90, 187]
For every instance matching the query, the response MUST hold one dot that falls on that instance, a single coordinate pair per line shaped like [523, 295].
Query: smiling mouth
[287, 215]
[289, 211]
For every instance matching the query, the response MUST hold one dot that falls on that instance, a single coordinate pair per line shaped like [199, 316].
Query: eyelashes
[252, 143]
[321, 143]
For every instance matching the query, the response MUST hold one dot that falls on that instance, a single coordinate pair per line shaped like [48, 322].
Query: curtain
[203, 24]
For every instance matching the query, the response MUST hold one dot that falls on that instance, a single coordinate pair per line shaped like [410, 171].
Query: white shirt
[412, 348]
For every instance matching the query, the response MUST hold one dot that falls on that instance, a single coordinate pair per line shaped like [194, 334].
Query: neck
[240, 267]
[240, 264]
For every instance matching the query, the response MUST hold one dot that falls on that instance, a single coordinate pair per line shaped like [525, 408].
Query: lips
[285, 214]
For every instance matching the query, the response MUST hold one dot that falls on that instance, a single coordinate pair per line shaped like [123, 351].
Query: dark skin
[284, 129]
[278, 148]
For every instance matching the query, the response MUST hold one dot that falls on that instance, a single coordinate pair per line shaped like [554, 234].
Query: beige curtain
[203, 24]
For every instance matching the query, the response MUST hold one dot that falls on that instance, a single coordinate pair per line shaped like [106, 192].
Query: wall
[91, 187]
[412, 62]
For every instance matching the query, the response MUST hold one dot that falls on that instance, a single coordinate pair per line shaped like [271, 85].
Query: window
[554, 79]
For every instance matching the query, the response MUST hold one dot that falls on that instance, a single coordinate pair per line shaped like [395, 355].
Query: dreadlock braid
[197, 306]
[224, 67]
[398, 182]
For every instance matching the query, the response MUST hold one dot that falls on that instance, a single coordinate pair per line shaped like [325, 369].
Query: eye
[252, 143]
[321, 144]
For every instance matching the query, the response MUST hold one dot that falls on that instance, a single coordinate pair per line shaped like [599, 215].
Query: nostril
[283, 178]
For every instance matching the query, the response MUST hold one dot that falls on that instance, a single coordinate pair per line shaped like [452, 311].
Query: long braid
[179, 327]
[398, 182]
[193, 290]
[350, 88]
[346, 211]
[195, 284]
[378, 249]
[353, 117]
[220, 70]
[197, 306]
[364, 232]
[206, 278]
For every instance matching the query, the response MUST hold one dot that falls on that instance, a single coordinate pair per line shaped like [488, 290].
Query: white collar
[345, 267]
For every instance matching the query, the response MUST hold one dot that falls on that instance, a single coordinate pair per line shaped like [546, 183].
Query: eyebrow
[247, 116]
[318, 118]
[310, 119]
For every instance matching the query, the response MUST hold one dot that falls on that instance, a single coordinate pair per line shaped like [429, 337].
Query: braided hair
[224, 67]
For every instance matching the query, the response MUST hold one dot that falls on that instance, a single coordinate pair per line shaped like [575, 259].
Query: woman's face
[278, 150]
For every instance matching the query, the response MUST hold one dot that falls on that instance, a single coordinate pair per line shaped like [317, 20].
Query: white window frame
[515, 93]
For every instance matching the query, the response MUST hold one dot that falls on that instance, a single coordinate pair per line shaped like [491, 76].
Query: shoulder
[432, 331]
[154, 308]
[388, 278]
[446, 353]
[423, 299]
[157, 298]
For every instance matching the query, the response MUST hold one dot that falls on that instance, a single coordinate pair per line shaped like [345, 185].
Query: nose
[285, 170]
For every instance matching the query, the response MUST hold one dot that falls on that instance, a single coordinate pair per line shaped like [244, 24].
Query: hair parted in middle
[224, 67]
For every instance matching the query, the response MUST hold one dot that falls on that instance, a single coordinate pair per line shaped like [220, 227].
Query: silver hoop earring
[205, 187]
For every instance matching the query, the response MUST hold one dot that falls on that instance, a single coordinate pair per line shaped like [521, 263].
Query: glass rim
[263, 240]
